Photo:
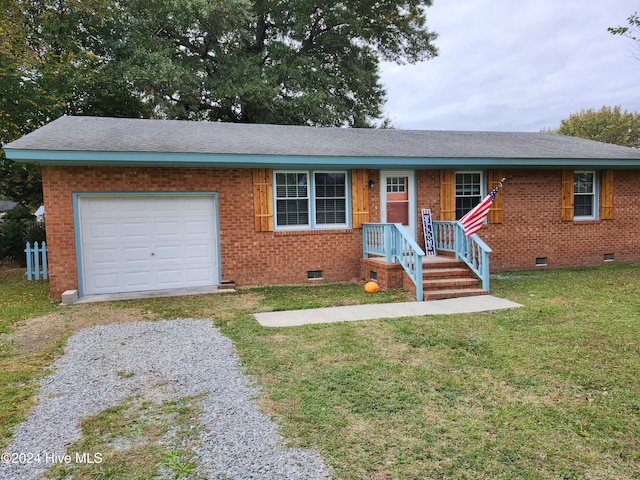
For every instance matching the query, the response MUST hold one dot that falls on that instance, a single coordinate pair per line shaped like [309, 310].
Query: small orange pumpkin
[371, 287]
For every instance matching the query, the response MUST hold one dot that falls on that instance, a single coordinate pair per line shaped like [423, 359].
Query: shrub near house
[17, 227]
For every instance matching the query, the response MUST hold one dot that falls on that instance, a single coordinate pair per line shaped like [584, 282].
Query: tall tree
[609, 125]
[53, 62]
[310, 62]
[305, 62]
[19, 104]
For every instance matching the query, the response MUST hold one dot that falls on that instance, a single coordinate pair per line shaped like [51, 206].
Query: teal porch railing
[393, 242]
[474, 252]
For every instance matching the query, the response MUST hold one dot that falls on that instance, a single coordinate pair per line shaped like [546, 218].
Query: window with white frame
[584, 195]
[331, 198]
[468, 192]
[311, 199]
[292, 199]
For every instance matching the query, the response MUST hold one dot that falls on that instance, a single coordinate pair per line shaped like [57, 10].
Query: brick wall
[247, 257]
[532, 225]
[387, 276]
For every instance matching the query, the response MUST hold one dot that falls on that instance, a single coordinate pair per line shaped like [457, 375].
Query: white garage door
[133, 243]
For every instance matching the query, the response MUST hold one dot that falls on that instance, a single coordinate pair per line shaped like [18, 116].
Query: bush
[18, 227]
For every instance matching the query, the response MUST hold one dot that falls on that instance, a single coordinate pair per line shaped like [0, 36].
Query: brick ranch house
[136, 205]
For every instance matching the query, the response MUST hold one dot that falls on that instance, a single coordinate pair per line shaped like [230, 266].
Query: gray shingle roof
[97, 134]
[6, 205]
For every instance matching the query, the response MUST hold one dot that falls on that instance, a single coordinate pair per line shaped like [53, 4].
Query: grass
[136, 439]
[548, 391]
[21, 299]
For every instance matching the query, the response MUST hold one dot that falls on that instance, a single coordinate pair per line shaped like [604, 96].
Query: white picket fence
[36, 261]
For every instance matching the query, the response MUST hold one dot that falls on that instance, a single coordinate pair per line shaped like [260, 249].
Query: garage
[146, 242]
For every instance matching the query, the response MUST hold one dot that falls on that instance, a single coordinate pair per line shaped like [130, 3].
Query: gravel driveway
[167, 359]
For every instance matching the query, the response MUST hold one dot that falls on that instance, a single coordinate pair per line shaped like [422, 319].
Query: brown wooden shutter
[359, 198]
[263, 199]
[567, 195]
[606, 195]
[447, 195]
[493, 179]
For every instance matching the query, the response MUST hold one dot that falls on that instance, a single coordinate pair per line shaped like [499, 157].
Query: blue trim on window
[596, 197]
[312, 201]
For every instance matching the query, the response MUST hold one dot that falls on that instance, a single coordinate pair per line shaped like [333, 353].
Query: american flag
[473, 219]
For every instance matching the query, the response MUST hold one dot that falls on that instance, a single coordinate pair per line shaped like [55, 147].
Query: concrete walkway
[114, 297]
[293, 318]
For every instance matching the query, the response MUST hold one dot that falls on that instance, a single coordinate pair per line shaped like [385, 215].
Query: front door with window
[398, 199]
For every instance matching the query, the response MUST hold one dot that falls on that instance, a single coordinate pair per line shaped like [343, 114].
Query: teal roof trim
[160, 159]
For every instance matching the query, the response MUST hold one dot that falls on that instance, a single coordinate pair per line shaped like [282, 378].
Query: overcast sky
[522, 65]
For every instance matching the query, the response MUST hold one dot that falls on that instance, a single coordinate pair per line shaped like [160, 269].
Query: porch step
[448, 278]
[445, 272]
[450, 282]
[453, 293]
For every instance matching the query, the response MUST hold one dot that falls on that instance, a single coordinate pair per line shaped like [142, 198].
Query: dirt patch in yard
[49, 329]
[35, 333]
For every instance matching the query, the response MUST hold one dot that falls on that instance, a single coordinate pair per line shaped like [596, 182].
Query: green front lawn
[20, 299]
[550, 390]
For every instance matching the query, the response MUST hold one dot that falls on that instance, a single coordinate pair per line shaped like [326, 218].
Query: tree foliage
[265, 61]
[304, 62]
[310, 62]
[52, 64]
[17, 227]
[609, 125]
[631, 30]
[21, 182]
